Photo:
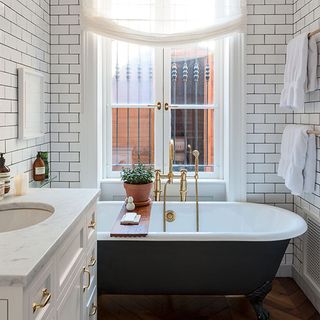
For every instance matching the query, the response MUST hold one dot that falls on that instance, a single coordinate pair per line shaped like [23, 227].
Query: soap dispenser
[4, 174]
[39, 170]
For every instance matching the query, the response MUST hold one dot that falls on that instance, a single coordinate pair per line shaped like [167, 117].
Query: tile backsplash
[270, 27]
[24, 42]
[65, 92]
[42, 35]
[271, 24]
[306, 19]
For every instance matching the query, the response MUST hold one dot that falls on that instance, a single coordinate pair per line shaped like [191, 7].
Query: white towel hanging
[300, 71]
[298, 159]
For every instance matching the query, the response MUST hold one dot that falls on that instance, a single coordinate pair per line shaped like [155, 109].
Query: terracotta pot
[139, 192]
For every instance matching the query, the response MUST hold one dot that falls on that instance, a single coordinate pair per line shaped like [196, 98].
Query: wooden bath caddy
[140, 230]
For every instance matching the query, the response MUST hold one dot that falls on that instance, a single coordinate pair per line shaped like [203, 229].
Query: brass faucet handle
[157, 185]
[171, 150]
[183, 175]
[170, 177]
[171, 160]
[196, 154]
[183, 185]
[171, 146]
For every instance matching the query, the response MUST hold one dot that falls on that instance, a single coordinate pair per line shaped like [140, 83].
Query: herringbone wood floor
[285, 302]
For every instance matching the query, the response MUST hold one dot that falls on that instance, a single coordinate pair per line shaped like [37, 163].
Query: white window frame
[231, 188]
[107, 105]
[218, 118]
[162, 73]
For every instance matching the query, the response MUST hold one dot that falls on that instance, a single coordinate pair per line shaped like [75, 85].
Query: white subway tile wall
[24, 42]
[271, 24]
[65, 92]
[307, 18]
[269, 30]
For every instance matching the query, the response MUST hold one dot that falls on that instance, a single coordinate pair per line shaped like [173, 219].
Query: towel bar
[310, 34]
[315, 132]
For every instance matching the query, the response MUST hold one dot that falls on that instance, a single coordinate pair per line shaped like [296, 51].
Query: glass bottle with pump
[4, 174]
[39, 169]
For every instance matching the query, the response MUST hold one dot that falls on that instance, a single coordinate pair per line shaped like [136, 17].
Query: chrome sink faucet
[170, 176]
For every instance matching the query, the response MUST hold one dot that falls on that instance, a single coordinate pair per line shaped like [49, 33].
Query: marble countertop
[23, 252]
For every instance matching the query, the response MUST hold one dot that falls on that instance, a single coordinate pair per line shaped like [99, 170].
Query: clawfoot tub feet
[256, 299]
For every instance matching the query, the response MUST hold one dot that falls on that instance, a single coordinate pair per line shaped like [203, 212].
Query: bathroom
[96, 87]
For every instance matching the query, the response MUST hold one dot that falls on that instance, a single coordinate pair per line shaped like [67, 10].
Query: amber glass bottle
[39, 169]
[4, 174]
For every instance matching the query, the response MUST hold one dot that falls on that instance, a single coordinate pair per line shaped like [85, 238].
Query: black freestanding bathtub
[237, 252]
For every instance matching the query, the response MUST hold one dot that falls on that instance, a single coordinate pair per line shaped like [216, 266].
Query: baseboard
[284, 271]
[307, 288]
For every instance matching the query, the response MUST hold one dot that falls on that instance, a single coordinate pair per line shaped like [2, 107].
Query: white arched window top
[163, 22]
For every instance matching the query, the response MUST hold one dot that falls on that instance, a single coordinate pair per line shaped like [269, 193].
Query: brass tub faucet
[183, 185]
[170, 176]
[157, 185]
[171, 160]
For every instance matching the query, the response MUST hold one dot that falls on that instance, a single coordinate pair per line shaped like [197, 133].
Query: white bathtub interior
[221, 220]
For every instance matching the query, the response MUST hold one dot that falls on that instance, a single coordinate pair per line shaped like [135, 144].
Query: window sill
[209, 190]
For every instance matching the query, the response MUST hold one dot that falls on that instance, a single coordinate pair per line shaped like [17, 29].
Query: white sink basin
[14, 216]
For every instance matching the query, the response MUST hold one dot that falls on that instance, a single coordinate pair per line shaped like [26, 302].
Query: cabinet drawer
[69, 255]
[3, 309]
[91, 224]
[91, 266]
[70, 305]
[41, 295]
[92, 307]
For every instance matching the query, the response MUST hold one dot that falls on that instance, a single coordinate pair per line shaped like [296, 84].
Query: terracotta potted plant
[137, 182]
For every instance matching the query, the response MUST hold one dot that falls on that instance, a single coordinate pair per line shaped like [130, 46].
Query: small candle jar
[21, 184]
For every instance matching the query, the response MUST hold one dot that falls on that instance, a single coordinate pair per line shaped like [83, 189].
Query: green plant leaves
[138, 174]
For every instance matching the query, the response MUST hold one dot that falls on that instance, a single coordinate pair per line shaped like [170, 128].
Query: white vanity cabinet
[64, 288]
[71, 303]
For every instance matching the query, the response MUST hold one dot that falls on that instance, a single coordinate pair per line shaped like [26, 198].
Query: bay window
[164, 69]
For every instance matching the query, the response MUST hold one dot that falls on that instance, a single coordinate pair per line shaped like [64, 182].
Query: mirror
[30, 103]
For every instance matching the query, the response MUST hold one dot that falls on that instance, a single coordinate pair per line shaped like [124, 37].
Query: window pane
[132, 73]
[187, 138]
[132, 137]
[133, 90]
[192, 92]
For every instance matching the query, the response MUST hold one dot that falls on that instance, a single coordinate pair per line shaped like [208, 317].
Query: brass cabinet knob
[92, 224]
[93, 311]
[85, 270]
[46, 296]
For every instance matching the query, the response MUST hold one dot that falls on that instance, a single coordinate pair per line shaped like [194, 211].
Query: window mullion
[158, 125]
[167, 99]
